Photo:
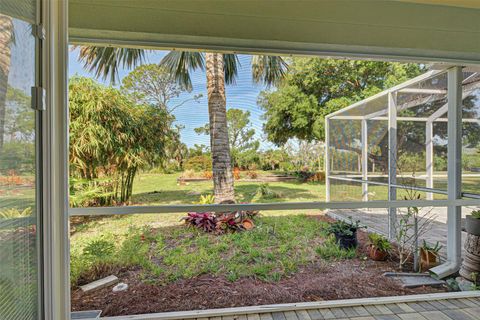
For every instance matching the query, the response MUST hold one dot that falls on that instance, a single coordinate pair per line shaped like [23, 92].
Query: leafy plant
[342, 228]
[15, 213]
[207, 199]
[410, 227]
[203, 220]
[236, 173]
[476, 214]
[252, 174]
[432, 249]
[379, 242]
[99, 250]
[208, 175]
[331, 250]
[189, 173]
[264, 191]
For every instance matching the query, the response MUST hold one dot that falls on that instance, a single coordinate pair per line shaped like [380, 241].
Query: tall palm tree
[220, 69]
[7, 37]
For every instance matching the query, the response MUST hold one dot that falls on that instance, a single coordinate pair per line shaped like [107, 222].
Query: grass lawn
[158, 255]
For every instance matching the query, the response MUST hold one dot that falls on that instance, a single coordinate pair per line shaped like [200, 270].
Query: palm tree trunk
[6, 36]
[217, 112]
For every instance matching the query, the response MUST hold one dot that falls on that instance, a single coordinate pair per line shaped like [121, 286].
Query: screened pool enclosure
[417, 140]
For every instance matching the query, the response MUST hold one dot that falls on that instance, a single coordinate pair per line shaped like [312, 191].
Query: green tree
[153, 85]
[111, 138]
[240, 136]
[220, 69]
[315, 87]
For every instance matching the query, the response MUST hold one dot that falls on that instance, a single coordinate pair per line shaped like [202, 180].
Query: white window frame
[55, 184]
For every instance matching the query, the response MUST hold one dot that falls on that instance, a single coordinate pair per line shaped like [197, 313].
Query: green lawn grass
[281, 242]
[276, 248]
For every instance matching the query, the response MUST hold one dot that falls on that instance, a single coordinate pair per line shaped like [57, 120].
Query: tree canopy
[111, 138]
[314, 87]
[240, 136]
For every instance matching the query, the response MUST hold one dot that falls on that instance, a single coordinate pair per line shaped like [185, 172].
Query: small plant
[15, 213]
[380, 242]
[429, 248]
[429, 255]
[379, 247]
[345, 232]
[474, 277]
[203, 220]
[99, 250]
[188, 173]
[476, 214]
[207, 199]
[344, 228]
[207, 175]
[264, 191]
[236, 173]
[330, 250]
[252, 174]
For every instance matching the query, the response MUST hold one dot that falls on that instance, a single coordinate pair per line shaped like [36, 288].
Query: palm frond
[268, 70]
[180, 63]
[105, 61]
[231, 64]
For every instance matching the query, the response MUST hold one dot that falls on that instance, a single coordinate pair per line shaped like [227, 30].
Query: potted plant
[429, 255]
[472, 224]
[379, 246]
[345, 233]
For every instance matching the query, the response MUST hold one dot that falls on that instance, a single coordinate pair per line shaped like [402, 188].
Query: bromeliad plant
[231, 221]
[205, 221]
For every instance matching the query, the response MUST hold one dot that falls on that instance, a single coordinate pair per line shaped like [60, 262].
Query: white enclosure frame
[453, 108]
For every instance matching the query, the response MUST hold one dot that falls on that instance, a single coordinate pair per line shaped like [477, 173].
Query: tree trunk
[217, 112]
[6, 37]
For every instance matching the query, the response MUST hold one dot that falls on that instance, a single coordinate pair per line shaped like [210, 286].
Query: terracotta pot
[377, 255]
[472, 225]
[428, 259]
[248, 224]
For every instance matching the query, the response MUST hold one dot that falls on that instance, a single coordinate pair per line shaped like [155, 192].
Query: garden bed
[285, 259]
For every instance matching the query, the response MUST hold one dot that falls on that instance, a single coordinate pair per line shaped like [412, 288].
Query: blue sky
[242, 95]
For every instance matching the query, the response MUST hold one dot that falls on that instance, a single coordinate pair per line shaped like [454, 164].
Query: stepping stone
[99, 284]
[413, 280]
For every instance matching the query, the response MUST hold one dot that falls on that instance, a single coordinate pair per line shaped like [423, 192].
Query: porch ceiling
[416, 29]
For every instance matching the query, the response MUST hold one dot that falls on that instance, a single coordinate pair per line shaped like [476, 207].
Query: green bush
[99, 249]
[199, 163]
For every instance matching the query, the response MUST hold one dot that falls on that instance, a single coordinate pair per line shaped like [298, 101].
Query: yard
[288, 257]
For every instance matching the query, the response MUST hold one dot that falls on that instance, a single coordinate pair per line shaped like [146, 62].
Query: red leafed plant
[202, 220]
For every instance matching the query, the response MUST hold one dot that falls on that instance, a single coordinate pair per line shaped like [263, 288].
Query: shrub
[188, 173]
[199, 163]
[207, 175]
[266, 192]
[236, 173]
[99, 250]
[252, 174]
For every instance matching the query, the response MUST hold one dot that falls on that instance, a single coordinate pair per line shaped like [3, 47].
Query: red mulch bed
[347, 279]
